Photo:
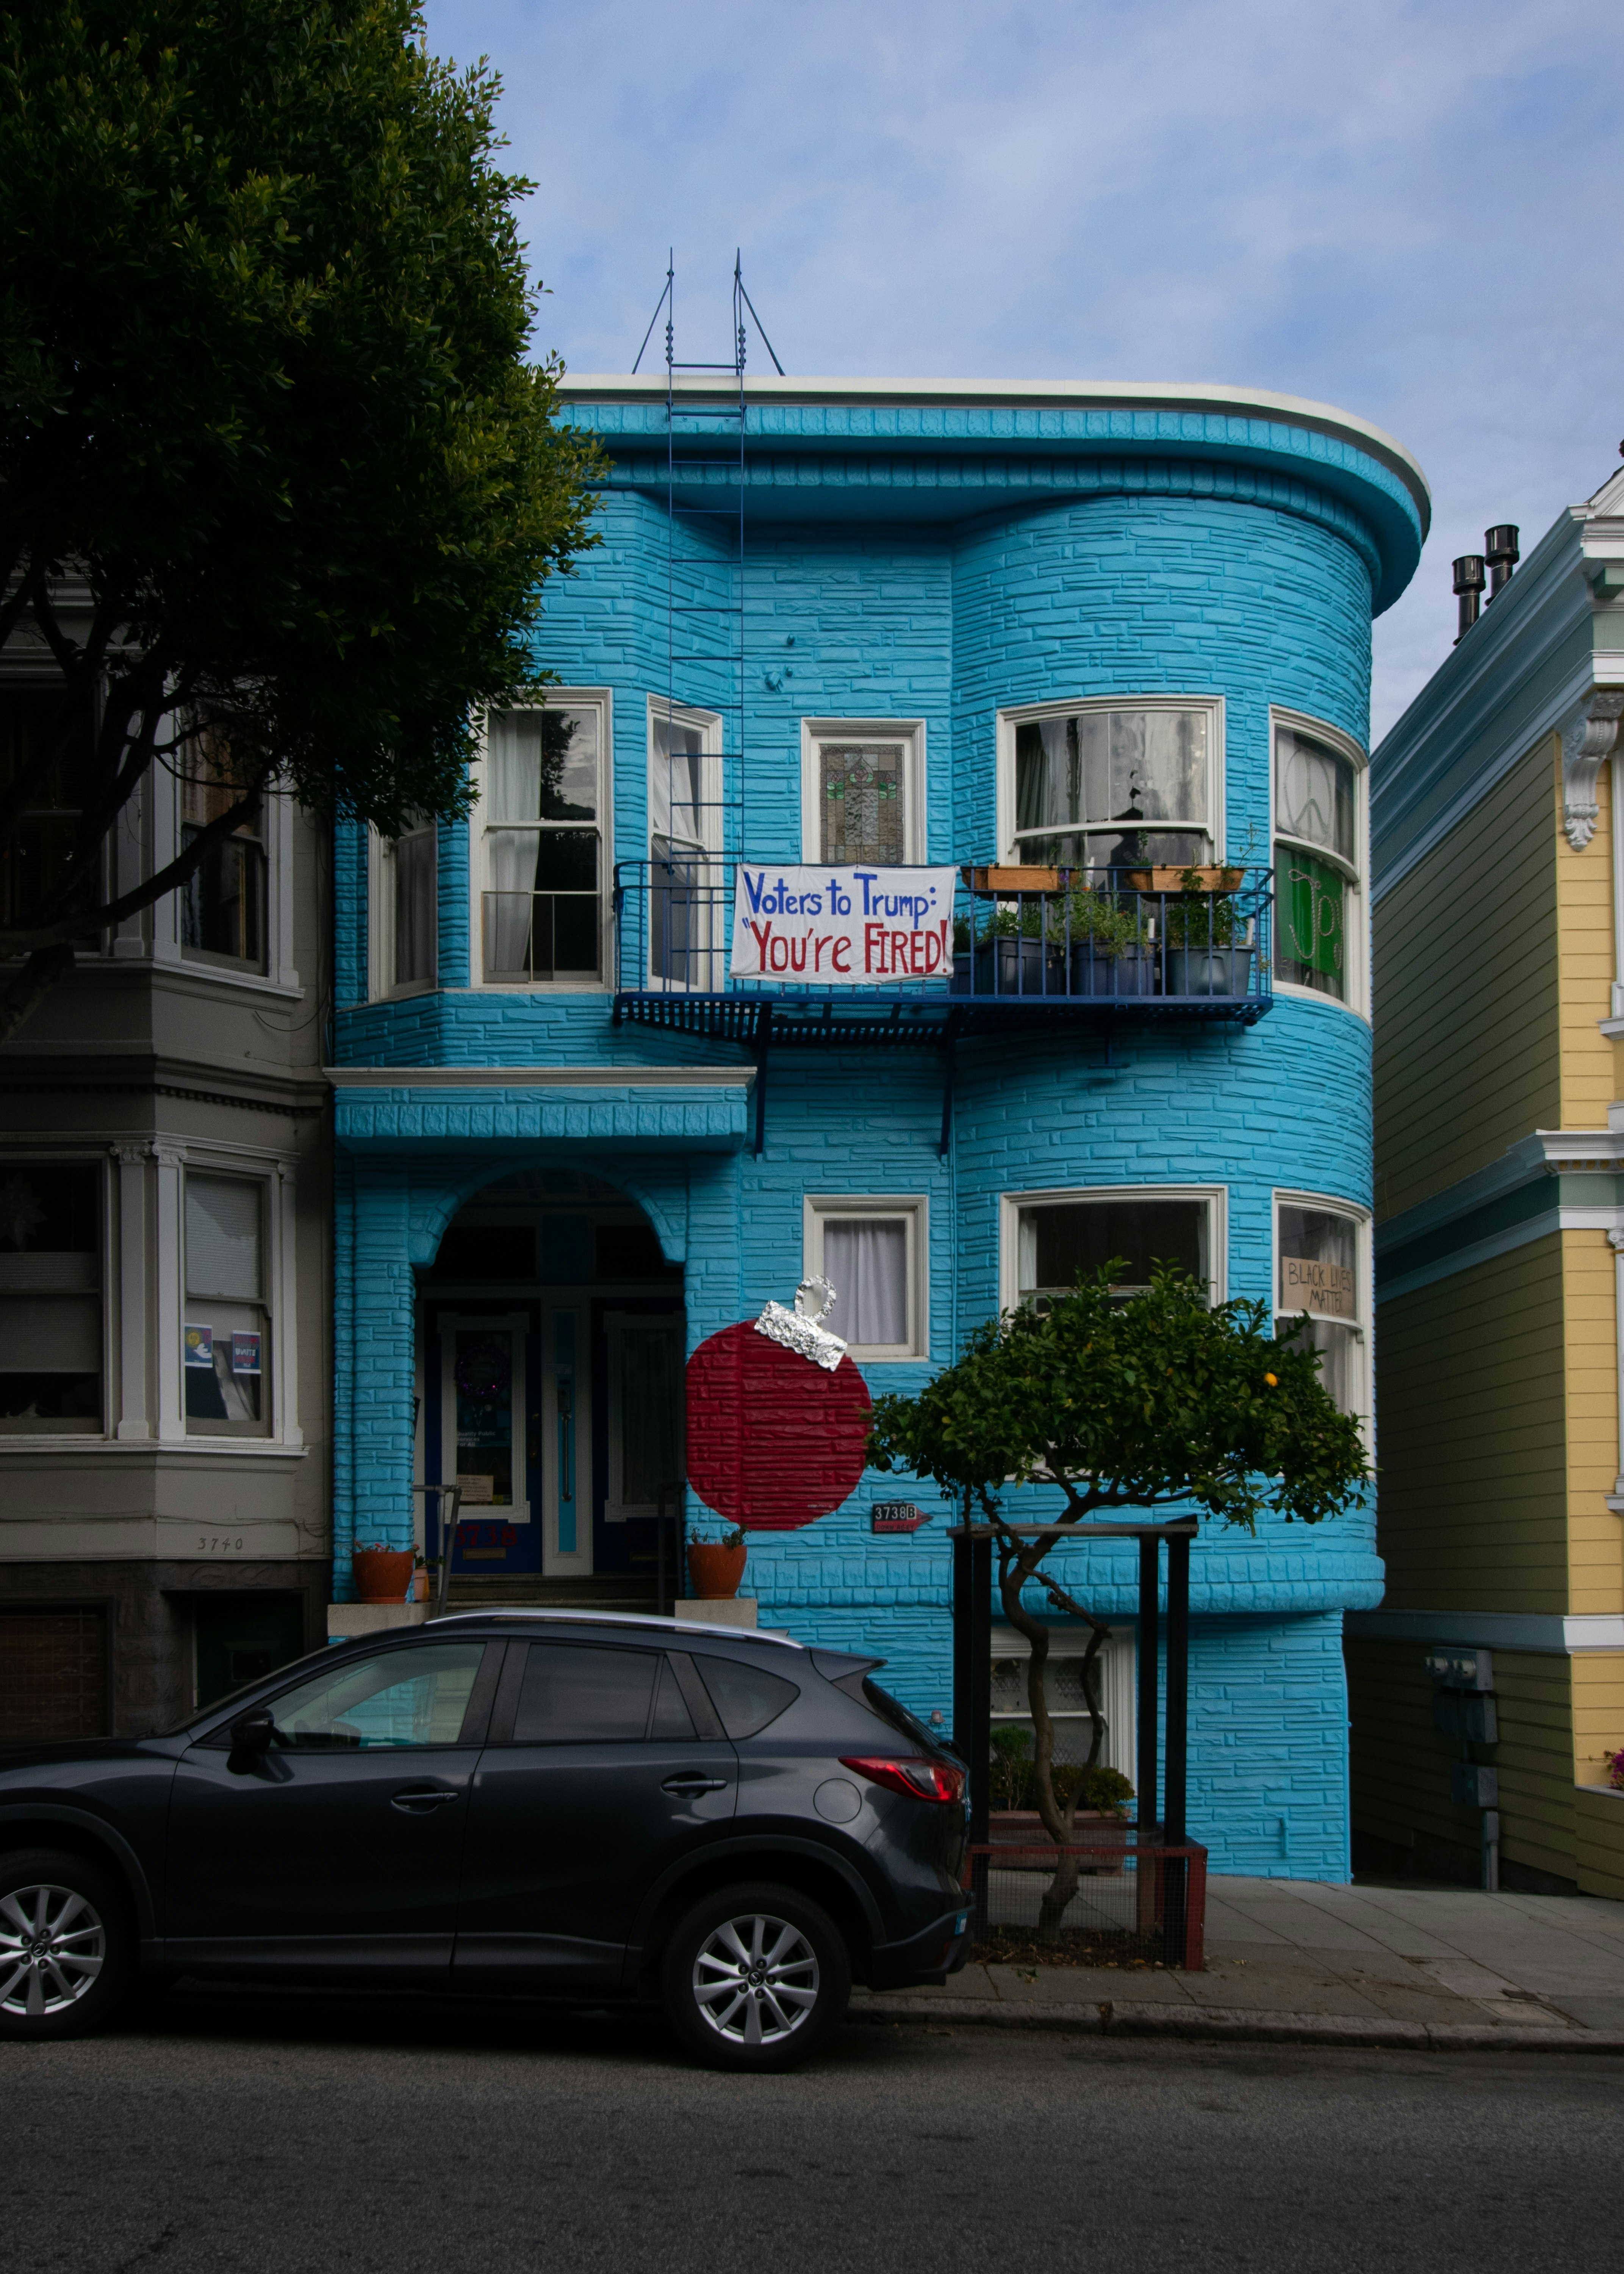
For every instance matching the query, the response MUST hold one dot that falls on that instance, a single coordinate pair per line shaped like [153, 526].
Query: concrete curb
[1233, 2024]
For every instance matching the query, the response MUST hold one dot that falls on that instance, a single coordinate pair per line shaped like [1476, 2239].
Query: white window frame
[710, 936]
[1119, 1664]
[915, 1209]
[1216, 1198]
[194, 1163]
[382, 986]
[1329, 1204]
[555, 699]
[617, 1324]
[1019, 714]
[909, 732]
[79, 1151]
[1356, 903]
[277, 823]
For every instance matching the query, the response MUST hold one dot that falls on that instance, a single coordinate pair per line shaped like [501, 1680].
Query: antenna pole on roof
[744, 296]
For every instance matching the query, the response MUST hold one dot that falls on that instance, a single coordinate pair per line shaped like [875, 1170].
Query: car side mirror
[250, 1738]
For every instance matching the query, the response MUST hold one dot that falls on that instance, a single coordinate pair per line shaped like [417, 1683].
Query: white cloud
[1405, 209]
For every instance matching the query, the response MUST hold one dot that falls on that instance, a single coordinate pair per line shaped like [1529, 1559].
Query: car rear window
[746, 1699]
[893, 1710]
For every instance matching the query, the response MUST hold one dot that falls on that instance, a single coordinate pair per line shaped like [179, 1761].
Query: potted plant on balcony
[1208, 943]
[716, 1566]
[1103, 939]
[1016, 954]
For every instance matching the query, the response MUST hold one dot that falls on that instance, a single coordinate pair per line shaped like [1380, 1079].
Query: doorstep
[347, 1622]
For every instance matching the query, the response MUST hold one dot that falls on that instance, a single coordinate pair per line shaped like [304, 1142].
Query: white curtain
[222, 1236]
[513, 765]
[865, 1262]
[684, 820]
[510, 856]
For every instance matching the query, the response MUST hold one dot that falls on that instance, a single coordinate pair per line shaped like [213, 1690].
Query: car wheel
[64, 1946]
[755, 1977]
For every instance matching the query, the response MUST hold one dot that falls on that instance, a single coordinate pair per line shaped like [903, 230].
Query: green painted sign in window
[1311, 922]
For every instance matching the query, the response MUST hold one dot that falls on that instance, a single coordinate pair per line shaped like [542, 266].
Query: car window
[583, 1694]
[745, 1697]
[893, 1710]
[414, 1696]
[672, 1718]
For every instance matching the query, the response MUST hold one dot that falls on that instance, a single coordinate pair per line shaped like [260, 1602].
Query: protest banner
[841, 927]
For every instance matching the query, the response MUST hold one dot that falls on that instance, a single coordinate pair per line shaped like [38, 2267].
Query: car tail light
[921, 1780]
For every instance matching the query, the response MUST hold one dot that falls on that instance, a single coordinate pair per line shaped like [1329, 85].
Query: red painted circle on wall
[773, 1440]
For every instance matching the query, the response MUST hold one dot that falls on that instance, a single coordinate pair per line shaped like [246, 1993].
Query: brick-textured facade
[936, 563]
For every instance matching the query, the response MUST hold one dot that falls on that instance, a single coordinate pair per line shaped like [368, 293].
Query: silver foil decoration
[798, 1329]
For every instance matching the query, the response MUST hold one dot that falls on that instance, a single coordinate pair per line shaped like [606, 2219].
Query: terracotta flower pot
[715, 1569]
[383, 1575]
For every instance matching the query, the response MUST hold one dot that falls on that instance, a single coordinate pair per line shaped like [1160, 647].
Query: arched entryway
[549, 1353]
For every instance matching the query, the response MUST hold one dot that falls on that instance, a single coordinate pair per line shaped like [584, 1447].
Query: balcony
[1031, 947]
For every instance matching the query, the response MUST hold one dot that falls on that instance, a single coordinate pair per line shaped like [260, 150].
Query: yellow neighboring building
[1497, 827]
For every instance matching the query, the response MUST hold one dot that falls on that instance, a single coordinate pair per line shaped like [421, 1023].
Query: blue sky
[1412, 212]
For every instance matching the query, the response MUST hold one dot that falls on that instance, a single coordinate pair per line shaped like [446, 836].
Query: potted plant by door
[716, 1566]
[383, 1575]
[1208, 951]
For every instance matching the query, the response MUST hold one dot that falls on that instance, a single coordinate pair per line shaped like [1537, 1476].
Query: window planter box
[1172, 880]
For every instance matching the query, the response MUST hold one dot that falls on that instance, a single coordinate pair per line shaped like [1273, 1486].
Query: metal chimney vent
[1469, 581]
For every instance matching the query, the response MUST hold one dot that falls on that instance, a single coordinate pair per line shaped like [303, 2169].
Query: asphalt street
[251, 2135]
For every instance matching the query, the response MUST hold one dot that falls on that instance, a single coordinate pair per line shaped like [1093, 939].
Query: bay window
[685, 835]
[541, 833]
[1322, 1270]
[225, 1347]
[406, 914]
[1056, 1236]
[1104, 786]
[51, 1298]
[1319, 839]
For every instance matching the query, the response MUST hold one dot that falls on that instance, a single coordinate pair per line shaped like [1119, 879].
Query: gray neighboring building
[165, 1288]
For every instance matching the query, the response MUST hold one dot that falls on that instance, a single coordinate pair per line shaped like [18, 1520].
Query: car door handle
[419, 1800]
[689, 1787]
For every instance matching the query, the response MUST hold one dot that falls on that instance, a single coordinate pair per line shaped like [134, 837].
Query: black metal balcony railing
[1143, 942]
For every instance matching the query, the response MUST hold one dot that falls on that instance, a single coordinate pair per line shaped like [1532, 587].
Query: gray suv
[569, 1805]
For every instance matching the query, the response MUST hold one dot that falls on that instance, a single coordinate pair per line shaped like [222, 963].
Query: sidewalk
[1300, 1959]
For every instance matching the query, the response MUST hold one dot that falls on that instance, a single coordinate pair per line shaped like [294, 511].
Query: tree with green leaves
[279, 489]
[1136, 1403]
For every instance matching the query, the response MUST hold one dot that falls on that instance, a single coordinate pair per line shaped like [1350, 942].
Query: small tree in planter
[1157, 1401]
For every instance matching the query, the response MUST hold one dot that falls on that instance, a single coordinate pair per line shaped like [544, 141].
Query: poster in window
[199, 1346]
[244, 1352]
[1309, 1284]
[1310, 896]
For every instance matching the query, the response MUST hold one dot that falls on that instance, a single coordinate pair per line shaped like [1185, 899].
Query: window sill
[1288, 987]
[239, 1448]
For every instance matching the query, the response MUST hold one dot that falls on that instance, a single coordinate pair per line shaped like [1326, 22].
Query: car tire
[65, 1944]
[755, 1977]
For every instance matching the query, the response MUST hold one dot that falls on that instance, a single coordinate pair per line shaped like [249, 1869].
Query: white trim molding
[1588, 737]
[1562, 1632]
[913, 1210]
[909, 732]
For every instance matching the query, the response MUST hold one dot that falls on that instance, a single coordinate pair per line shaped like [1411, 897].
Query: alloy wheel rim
[52, 1945]
[755, 1979]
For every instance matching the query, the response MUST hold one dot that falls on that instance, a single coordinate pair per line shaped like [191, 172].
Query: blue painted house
[1042, 649]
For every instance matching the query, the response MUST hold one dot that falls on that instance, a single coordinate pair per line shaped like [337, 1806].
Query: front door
[340, 1848]
[595, 1779]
